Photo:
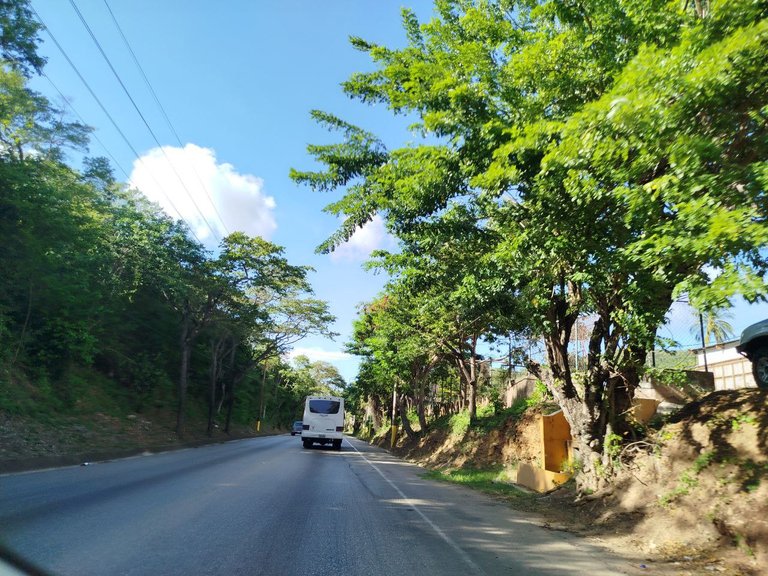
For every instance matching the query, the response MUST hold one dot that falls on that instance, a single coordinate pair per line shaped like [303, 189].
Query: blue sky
[237, 79]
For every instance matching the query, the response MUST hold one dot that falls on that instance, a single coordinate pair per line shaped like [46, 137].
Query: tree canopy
[611, 156]
[100, 288]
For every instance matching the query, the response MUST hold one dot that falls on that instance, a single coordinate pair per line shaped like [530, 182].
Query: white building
[731, 369]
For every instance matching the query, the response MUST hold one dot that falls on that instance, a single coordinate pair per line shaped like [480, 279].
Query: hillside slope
[694, 494]
[28, 443]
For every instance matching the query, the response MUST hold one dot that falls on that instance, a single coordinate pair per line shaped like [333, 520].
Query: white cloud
[210, 192]
[315, 354]
[372, 236]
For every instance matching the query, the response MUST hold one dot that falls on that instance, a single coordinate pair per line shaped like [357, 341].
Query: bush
[539, 398]
[459, 423]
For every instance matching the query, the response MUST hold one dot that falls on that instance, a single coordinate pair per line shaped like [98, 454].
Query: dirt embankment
[693, 495]
[27, 443]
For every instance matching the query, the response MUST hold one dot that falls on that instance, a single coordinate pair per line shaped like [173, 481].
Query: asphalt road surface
[266, 506]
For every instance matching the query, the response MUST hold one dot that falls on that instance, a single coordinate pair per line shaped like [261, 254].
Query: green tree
[317, 377]
[29, 124]
[271, 305]
[398, 356]
[615, 151]
[19, 37]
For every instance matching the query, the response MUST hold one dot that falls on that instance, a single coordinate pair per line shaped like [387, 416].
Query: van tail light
[339, 428]
[305, 427]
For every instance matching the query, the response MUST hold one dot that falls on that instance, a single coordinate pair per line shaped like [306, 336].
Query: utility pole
[703, 344]
[393, 435]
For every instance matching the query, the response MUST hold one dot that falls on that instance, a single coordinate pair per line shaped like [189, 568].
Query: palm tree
[712, 325]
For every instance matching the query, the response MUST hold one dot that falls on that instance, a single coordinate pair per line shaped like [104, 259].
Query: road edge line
[447, 539]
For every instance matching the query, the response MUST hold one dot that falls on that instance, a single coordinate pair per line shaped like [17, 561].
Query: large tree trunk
[215, 373]
[420, 408]
[373, 411]
[224, 392]
[182, 389]
[212, 391]
[461, 400]
[230, 404]
[403, 410]
[262, 402]
[468, 376]
[186, 351]
[597, 415]
[464, 356]
[584, 412]
[472, 388]
[230, 392]
[473, 374]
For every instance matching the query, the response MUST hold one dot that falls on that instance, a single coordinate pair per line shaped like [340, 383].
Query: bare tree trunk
[262, 407]
[186, 351]
[402, 409]
[468, 380]
[373, 410]
[23, 328]
[222, 396]
[230, 404]
[231, 390]
[461, 388]
[224, 393]
[189, 331]
[420, 407]
[215, 373]
[472, 384]
[212, 390]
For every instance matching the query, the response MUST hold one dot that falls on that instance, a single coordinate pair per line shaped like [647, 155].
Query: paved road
[266, 506]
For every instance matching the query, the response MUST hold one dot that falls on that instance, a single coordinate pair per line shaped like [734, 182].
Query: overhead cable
[93, 134]
[111, 119]
[149, 128]
[162, 110]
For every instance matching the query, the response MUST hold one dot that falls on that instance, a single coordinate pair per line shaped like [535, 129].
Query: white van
[323, 421]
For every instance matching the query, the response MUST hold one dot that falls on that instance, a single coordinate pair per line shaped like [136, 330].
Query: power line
[162, 110]
[136, 107]
[111, 119]
[71, 107]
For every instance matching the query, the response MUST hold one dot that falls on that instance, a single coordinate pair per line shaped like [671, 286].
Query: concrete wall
[730, 369]
[519, 389]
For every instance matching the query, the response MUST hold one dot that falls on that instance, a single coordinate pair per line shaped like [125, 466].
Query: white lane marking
[435, 527]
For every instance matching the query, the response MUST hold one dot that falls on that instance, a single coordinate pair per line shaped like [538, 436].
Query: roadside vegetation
[574, 169]
[689, 497]
[110, 307]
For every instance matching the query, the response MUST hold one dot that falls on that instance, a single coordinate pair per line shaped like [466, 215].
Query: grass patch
[493, 481]
[539, 399]
[493, 419]
[459, 424]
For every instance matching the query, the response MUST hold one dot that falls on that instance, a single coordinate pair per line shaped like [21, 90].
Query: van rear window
[324, 406]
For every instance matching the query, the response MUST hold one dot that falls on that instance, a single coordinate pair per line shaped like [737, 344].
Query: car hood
[752, 332]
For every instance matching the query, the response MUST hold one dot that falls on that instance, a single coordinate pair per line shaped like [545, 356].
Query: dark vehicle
[296, 428]
[754, 345]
